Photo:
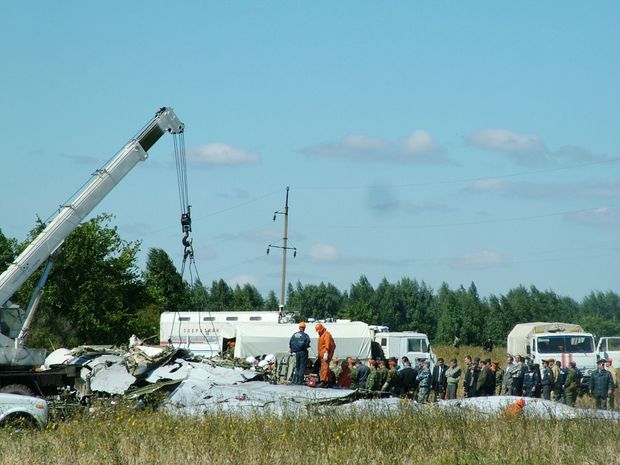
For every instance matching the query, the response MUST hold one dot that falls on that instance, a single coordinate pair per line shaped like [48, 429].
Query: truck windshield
[613, 344]
[417, 344]
[565, 344]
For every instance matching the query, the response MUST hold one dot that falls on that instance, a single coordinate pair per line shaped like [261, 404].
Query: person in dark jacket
[298, 345]
[362, 374]
[601, 385]
[529, 381]
[473, 383]
[439, 380]
[537, 386]
[485, 384]
[546, 380]
[467, 362]
[408, 379]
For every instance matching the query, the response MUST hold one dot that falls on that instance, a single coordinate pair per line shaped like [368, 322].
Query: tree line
[96, 294]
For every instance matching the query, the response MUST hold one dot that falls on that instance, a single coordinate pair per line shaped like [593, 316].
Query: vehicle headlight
[40, 405]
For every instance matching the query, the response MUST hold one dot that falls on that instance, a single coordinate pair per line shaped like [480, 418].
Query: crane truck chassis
[21, 370]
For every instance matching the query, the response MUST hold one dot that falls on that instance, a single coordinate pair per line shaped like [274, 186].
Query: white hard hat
[251, 360]
[270, 358]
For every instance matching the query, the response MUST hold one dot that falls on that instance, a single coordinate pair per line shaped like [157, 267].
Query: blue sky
[456, 142]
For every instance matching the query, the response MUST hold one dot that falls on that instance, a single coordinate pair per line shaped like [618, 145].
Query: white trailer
[254, 333]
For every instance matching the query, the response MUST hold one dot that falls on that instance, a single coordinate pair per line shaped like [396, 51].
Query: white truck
[562, 342]
[609, 349]
[19, 373]
[411, 344]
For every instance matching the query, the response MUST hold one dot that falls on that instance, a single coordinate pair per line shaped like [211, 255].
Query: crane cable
[186, 219]
[186, 227]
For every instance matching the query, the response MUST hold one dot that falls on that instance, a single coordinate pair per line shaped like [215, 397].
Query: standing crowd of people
[478, 377]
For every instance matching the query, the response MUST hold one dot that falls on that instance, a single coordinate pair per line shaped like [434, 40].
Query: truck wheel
[17, 389]
[19, 422]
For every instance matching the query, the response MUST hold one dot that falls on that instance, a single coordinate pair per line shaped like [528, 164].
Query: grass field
[121, 435]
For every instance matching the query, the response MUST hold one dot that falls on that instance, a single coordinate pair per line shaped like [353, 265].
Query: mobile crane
[19, 364]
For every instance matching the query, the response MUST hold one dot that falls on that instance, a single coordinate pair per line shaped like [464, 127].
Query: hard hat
[251, 360]
[270, 358]
[302, 325]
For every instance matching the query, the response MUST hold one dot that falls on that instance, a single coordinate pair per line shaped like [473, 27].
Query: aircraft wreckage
[198, 386]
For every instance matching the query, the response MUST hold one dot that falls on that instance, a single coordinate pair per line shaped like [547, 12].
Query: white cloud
[504, 140]
[360, 147]
[489, 184]
[589, 189]
[602, 216]
[243, 279]
[362, 142]
[420, 142]
[324, 253]
[221, 155]
[476, 260]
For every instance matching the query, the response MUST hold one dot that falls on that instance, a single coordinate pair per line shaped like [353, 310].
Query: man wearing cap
[601, 385]
[424, 382]
[298, 345]
[326, 350]
[392, 382]
[546, 380]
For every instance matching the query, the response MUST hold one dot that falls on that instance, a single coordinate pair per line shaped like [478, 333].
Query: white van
[411, 344]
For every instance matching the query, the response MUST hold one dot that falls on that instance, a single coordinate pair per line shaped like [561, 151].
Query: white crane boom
[72, 214]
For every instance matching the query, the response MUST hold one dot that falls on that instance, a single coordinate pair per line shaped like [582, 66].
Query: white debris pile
[539, 408]
[197, 395]
[203, 386]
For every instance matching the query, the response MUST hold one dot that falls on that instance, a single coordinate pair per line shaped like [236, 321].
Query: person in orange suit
[327, 346]
[514, 410]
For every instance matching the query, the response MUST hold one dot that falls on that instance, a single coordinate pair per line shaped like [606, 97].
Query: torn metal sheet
[58, 357]
[108, 374]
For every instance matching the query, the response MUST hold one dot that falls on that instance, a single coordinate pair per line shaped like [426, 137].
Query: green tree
[246, 298]
[199, 296]
[164, 283]
[220, 296]
[93, 291]
[8, 251]
[271, 302]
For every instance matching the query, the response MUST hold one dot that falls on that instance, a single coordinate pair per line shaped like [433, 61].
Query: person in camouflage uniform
[499, 377]
[372, 381]
[383, 372]
[392, 381]
[424, 383]
[571, 384]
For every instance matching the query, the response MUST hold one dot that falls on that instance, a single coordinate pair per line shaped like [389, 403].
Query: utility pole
[284, 248]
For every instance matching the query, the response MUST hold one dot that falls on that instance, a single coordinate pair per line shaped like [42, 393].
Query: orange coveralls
[326, 346]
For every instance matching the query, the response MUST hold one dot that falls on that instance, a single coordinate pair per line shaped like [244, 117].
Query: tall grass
[126, 436]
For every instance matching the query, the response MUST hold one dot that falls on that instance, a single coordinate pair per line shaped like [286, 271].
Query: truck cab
[565, 347]
[411, 344]
[609, 349]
